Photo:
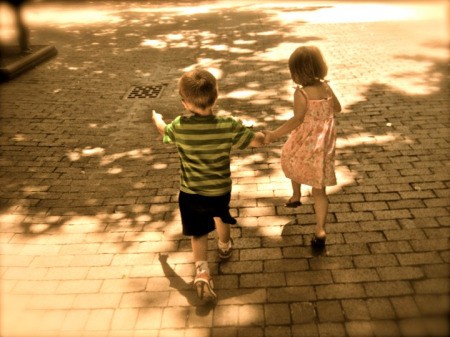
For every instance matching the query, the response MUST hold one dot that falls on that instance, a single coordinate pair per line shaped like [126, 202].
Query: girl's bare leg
[321, 209]
[296, 191]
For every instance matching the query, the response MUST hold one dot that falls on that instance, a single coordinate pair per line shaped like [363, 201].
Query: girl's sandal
[292, 204]
[318, 242]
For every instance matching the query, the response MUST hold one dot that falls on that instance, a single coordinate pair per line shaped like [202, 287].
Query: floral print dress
[308, 155]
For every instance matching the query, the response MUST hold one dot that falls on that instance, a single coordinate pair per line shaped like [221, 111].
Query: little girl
[308, 154]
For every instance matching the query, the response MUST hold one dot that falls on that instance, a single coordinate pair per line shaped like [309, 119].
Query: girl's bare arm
[293, 122]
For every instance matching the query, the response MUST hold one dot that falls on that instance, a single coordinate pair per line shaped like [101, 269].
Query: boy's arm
[258, 140]
[158, 122]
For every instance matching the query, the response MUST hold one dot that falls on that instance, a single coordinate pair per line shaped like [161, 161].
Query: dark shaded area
[15, 60]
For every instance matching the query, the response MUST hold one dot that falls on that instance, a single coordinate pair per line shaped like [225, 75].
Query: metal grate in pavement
[144, 91]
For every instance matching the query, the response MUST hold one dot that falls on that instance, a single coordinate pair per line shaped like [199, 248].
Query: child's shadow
[184, 288]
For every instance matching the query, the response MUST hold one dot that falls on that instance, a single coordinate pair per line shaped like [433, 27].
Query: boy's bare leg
[223, 230]
[321, 209]
[203, 281]
[200, 247]
[224, 234]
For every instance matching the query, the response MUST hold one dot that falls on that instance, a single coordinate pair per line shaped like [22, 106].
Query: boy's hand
[268, 137]
[158, 121]
[156, 115]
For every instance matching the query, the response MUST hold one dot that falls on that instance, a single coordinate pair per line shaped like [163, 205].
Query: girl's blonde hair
[198, 87]
[307, 65]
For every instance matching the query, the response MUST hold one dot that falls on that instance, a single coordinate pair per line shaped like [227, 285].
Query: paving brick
[418, 258]
[75, 321]
[226, 315]
[99, 320]
[262, 280]
[277, 314]
[89, 188]
[124, 319]
[303, 312]
[387, 328]
[355, 216]
[405, 306]
[349, 249]
[388, 288]
[123, 285]
[51, 301]
[260, 254]
[364, 237]
[400, 273]
[340, 291]
[330, 311]
[359, 328]
[378, 260]
[239, 296]
[390, 247]
[432, 304]
[354, 275]
[331, 329]
[305, 330]
[290, 294]
[243, 267]
[140, 299]
[96, 301]
[308, 278]
[251, 314]
[149, 318]
[285, 265]
[432, 286]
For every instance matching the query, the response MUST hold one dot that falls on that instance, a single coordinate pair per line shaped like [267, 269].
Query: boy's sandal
[318, 242]
[292, 204]
[225, 254]
[205, 288]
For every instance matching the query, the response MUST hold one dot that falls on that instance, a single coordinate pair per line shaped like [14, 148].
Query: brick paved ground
[90, 232]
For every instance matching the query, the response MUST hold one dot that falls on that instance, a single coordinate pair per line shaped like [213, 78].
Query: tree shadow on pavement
[104, 174]
[104, 170]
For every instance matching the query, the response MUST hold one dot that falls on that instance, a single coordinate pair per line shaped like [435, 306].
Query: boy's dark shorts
[198, 212]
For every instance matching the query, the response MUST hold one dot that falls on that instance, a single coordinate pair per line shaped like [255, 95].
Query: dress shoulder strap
[328, 89]
[303, 92]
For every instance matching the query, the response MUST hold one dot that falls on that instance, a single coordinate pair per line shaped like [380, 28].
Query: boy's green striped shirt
[204, 144]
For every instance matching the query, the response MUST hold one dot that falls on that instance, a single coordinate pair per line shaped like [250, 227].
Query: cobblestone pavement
[90, 230]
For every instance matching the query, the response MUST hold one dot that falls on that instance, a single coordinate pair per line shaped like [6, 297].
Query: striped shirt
[204, 144]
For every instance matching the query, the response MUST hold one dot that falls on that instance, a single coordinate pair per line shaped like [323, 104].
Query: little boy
[204, 142]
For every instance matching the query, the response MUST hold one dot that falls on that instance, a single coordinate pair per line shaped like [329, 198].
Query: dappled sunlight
[143, 154]
[344, 177]
[123, 205]
[192, 39]
[354, 12]
[279, 53]
[211, 65]
[242, 94]
[54, 15]
[77, 154]
[358, 139]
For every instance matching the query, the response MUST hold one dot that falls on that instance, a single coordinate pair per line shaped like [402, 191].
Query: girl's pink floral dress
[308, 155]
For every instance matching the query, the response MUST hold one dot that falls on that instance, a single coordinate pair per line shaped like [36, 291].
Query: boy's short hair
[307, 65]
[198, 87]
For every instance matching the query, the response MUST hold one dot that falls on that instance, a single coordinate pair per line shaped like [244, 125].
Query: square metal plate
[144, 91]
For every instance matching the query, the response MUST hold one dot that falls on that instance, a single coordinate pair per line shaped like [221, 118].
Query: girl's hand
[268, 137]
